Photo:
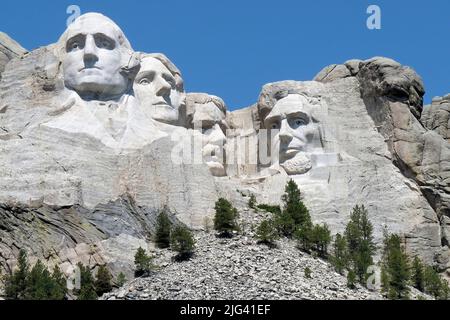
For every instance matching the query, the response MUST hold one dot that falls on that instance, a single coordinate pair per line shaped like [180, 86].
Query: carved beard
[299, 164]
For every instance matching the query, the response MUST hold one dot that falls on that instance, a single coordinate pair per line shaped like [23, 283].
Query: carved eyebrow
[298, 114]
[144, 74]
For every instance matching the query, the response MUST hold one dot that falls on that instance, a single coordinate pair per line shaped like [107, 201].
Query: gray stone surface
[436, 117]
[9, 49]
[83, 179]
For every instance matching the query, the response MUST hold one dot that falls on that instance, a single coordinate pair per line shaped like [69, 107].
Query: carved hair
[123, 41]
[204, 98]
[169, 65]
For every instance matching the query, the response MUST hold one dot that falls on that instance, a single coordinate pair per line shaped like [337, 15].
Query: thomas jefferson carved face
[292, 117]
[156, 88]
[95, 52]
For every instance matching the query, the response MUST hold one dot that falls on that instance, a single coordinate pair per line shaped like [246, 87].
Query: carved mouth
[89, 68]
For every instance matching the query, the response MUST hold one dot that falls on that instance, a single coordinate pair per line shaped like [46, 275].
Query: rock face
[86, 163]
[9, 49]
[436, 117]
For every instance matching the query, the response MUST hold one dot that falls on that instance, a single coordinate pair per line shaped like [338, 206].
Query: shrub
[121, 279]
[266, 232]
[163, 226]
[308, 273]
[182, 242]
[252, 201]
[225, 219]
[269, 208]
[142, 262]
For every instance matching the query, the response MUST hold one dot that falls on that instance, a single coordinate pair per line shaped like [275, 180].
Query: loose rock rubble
[240, 268]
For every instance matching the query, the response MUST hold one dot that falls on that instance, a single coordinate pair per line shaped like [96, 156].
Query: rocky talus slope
[240, 268]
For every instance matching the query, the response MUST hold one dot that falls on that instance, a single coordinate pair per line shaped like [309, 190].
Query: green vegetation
[103, 281]
[360, 245]
[37, 284]
[87, 284]
[121, 279]
[225, 219]
[308, 273]
[163, 227]
[143, 263]
[266, 233]
[395, 268]
[183, 242]
[252, 201]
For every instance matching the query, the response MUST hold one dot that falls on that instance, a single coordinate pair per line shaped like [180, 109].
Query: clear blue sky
[232, 47]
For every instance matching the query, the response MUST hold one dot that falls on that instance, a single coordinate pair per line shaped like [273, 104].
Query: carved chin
[300, 164]
[216, 168]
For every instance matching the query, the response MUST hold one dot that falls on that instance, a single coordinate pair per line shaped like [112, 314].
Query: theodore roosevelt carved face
[207, 115]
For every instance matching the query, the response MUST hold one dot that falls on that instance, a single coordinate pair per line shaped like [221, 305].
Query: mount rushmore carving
[91, 132]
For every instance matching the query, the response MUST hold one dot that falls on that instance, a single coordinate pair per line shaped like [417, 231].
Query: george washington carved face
[95, 52]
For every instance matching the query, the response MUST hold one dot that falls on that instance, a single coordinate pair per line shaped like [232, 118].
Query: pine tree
[304, 236]
[59, 286]
[143, 263]
[360, 242]
[395, 262]
[351, 279]
[87, 289]
[340, 254]
[434, 284]
[266, 232]
[16, 283]
[321, 238]
[417, 276]
[294, 206]
[103, 281]
[121, 279]
[225, 219]
[163, 226]
[182, 242]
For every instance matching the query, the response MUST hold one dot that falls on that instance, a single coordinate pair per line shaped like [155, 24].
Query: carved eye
[144, 82]
[104, 42]
[274, 126]
[297, 122]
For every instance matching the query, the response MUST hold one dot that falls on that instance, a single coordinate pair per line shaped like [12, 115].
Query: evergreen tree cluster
[35, 284]
[179, 238]
[38, 283]
[398, 272]
[294, 221]
[354, 250]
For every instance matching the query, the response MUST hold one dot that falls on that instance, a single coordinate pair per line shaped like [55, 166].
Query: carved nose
[217, 137]
[162, 87]
[90, 52]
[285, 135]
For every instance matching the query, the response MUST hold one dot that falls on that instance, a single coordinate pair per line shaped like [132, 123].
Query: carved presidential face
[292, 117]
[156, 89]
[209, 119]
[94, 57]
